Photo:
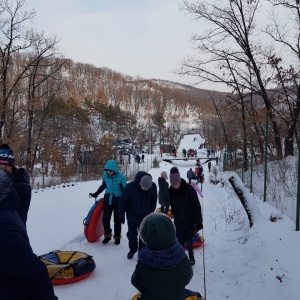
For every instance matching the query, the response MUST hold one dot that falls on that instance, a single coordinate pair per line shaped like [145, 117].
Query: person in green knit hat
[163, 269]
[113, 183]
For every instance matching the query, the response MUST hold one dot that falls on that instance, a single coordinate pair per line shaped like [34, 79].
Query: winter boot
[192, 258]
[130, 254]
[117, 239]
[107, 238]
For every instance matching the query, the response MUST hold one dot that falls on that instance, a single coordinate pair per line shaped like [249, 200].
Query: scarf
[164, 259]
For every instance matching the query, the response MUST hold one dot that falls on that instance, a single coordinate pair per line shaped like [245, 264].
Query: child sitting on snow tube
[163, 269]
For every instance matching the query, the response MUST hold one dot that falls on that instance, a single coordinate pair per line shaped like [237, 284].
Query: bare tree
[14, 38]
[47, 63]
[286, 32]
[228, 51]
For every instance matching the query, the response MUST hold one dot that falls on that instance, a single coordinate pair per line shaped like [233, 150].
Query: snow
[237, 262]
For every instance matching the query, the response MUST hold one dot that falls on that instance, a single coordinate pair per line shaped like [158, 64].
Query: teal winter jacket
[113, 185]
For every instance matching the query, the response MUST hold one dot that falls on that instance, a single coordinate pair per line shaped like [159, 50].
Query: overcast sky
[145, 38]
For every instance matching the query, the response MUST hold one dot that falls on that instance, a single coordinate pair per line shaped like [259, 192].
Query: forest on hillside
[56, 113]
[62, 116]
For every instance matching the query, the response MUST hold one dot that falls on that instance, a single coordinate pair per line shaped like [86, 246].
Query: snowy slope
[238, 263]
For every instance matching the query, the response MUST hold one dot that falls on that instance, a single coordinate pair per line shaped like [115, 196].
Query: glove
[93, 195]
[122, 220]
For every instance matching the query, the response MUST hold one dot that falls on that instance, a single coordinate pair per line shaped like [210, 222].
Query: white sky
[145, 38]
[238, 262]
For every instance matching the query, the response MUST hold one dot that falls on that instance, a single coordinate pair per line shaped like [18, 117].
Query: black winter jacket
[22, 186]
[22, 274]
[160, 284]
[135, 202]
[163, 192]
[185, 204]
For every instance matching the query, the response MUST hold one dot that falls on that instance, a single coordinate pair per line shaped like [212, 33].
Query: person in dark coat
[186, 210]
[20, 177]
[163, 269]
[138, 159]
[138, 199]
[23, 276]
[113, 183]
[190, 175]
[200, 175]
[163, 192]
[209, 166]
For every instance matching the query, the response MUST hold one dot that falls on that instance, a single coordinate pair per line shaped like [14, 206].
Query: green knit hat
[157, 231]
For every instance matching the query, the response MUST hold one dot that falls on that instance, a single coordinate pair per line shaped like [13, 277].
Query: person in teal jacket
[113, 183]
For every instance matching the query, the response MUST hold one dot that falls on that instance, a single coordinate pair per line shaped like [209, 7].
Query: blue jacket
[113, 185]
[135, 202]
[22, 274]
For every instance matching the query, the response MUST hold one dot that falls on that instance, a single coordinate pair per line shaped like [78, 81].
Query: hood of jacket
[111, 165]
[9, 198]
[20, 175]
[139, 176]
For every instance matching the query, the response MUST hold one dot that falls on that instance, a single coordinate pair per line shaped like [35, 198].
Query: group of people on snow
[189, 153]
[153, 235]
[197, 175]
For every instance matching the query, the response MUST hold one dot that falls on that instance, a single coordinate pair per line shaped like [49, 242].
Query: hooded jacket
[113, 185]
[163, 192]
[163, 269]
[135, 202]
[23, 276]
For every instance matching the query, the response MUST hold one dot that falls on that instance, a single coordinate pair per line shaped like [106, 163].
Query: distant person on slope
[23, 276]
[163, 269]
[209, 166]
[113, 183]
[163, 192]
[190, 175]
[138, 200]
[186, 210]
[20, 178]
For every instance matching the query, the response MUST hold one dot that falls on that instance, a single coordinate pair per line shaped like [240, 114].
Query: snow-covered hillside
[236, 262]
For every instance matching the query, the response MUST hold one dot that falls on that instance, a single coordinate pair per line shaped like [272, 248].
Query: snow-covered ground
[237, 262]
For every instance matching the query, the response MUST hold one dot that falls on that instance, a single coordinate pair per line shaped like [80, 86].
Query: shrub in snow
[155, 162]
